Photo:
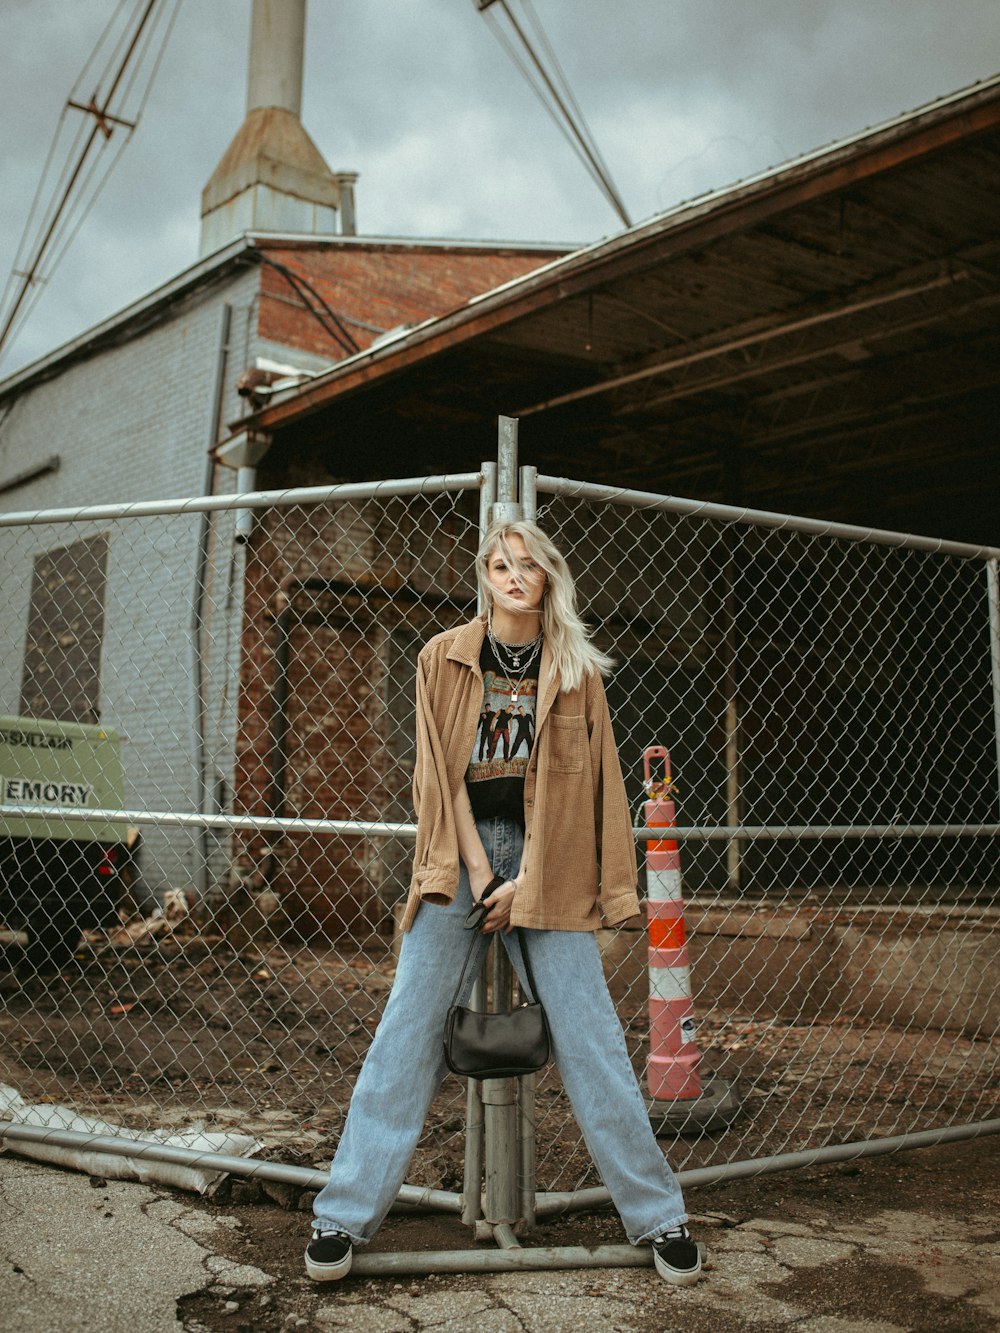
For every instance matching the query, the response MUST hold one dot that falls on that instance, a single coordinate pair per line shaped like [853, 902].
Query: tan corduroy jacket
[576, 812]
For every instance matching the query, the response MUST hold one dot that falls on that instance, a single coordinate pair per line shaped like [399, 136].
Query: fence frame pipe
[758, 518]
[511, 1256]
[376, 828]
[203, 504]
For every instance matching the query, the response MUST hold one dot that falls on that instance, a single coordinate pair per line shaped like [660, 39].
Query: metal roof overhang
[823, 339]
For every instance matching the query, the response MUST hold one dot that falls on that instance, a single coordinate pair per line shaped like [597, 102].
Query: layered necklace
[510, 657]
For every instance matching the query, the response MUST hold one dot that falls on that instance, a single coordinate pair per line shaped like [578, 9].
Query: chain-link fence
[217, 943]
[829, 706]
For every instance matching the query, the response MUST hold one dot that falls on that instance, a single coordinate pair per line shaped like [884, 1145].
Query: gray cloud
[683, 96]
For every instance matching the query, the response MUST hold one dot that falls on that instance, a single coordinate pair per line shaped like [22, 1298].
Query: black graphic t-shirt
[504, 738]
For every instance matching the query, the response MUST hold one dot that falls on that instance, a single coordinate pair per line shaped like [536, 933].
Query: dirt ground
[865, 1282]
[185, 1028]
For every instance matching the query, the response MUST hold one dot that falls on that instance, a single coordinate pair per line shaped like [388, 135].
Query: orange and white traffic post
[672, 1070]
[682, 1097]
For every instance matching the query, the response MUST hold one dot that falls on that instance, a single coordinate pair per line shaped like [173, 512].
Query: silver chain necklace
[515, 651]
[532, 648]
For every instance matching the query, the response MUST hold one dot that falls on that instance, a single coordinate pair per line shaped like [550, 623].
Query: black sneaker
[328, 1256]
[677, 1257]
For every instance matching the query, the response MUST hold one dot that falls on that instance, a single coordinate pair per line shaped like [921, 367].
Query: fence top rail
[373, 828]
[673, 504]
[403, 829]
[201, 504]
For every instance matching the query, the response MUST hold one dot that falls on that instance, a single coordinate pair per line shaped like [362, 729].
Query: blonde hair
[573, 654]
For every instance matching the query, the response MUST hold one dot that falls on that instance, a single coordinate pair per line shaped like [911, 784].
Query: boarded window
[62, 654]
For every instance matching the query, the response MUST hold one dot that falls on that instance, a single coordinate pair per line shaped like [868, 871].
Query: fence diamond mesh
[808, 687]
[220, 943]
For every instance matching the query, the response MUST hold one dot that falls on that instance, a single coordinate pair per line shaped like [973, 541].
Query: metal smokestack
[277, 53]
[272, 177]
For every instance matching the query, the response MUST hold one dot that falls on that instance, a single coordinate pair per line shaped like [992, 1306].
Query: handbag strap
[527, 967]
[469, 956]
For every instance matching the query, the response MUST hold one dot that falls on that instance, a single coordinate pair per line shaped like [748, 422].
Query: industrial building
[821, 340]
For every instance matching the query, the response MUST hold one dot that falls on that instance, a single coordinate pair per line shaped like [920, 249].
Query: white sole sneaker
[330, 1272]
[670, 1272]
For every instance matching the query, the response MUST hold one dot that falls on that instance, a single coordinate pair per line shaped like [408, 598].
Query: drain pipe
[246, 482]
[243, 453]
[283, 607]
[200, 589]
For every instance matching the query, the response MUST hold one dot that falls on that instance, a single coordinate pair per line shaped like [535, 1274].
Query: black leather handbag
[504, 1045]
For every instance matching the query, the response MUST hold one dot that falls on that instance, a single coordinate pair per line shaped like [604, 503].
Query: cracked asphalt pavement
[896, 1244]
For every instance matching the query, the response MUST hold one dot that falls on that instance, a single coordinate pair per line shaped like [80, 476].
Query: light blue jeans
[405, 1066]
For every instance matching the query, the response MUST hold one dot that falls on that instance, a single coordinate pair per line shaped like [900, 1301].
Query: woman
[523, 835]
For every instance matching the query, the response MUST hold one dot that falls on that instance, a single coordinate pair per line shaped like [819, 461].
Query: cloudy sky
[682, 96]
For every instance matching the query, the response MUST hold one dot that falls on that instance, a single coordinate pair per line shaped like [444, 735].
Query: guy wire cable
[563, 107]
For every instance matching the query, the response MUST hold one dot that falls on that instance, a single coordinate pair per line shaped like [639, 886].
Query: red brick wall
[378, 285]
[343, 753]
[343, 759]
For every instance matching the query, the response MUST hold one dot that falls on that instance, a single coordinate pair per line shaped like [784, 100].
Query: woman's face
[502, 579]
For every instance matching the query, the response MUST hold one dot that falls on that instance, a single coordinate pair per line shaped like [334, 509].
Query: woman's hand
[500, 901]
[479, 881]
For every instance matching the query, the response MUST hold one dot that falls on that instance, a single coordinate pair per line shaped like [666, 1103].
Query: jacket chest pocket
[566, 742]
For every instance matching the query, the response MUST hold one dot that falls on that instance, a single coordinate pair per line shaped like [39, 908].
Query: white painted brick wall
[133, 423]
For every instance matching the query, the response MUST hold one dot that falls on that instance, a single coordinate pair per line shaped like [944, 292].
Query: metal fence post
[500, 1112]
[475, 1122]
[499, 1096]
[528, 494]
[487, 499]
[506, 508]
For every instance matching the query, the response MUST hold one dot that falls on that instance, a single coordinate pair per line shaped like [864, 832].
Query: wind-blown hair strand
[573, 654]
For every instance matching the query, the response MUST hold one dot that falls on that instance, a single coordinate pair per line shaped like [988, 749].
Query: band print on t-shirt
[506, 730]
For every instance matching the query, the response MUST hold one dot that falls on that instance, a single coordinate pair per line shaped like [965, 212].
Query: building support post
[730, 690]
[993, 595]
[732, 484]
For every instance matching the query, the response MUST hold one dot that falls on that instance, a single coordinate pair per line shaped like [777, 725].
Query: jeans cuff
[335, 1226]
[657, 1231]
